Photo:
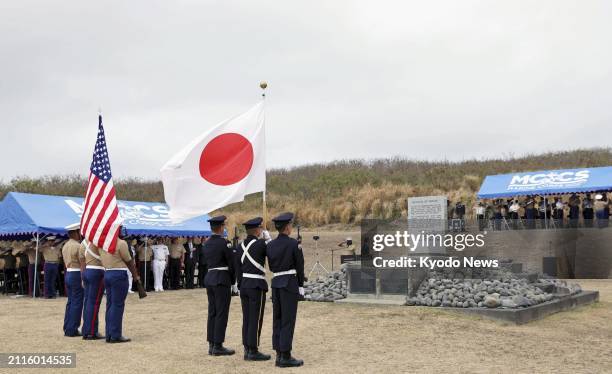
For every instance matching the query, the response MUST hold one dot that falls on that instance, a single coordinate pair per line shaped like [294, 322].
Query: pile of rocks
[327, 288]
[489, 293]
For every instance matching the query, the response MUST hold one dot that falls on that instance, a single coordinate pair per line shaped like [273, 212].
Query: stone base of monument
[373, 299]
[525, 315]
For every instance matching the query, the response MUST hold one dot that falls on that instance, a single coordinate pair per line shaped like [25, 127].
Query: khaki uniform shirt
[89, 259]
[50, 253]
[600, 205]
[32, 255]
[118, 259]
[140, 252]
[70, 252]
[10, 261]
[176, 251]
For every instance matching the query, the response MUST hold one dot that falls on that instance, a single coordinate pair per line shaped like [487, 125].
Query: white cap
[349, 238]
[599, 196]
[73, 226]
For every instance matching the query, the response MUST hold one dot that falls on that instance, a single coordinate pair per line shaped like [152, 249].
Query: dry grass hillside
[343, 192]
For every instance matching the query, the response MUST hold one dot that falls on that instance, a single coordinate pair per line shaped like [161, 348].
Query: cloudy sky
[348, 79]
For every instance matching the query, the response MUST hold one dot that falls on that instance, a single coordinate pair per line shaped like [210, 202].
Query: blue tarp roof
[24, 215]
[547, 182]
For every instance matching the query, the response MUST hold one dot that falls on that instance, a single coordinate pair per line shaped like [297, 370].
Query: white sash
[245, 253]
[88, 250]
[286, 272]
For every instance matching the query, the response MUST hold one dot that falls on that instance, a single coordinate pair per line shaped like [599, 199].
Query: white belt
[287, 272]
[254, 276]
[95, 267]
[221, 268]
[88, 250]
[122, 269]
[160, 260]
[245, 253]
[72, 269]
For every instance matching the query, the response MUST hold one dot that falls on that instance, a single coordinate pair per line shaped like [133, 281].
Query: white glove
[234, 288]
[301, 291]
[266, 236]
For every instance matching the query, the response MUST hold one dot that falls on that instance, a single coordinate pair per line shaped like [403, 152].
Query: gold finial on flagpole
[263, 85]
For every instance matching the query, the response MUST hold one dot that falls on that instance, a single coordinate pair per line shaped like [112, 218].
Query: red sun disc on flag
[226, 159]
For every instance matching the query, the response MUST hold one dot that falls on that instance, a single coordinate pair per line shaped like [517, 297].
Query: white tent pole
[545, 210]
[145, 263]
[35, 268]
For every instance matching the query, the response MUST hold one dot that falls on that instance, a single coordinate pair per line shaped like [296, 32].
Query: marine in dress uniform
[145, 267]
[34, 267]
[250, 274]
[191, 260]
[73, 281]
[51, 255]
[177, 258]
[93, 282]
[286, 261]
[218, 255]
[116, 284]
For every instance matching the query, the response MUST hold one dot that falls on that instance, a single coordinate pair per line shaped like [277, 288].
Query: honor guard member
[191, 260]
[220, 277]
[145, 268]
[116, 266]
[286, 261]
[73, 281]
[51, 254]
[177, 261]
[34, 265]
[93, 282]
[250, 273]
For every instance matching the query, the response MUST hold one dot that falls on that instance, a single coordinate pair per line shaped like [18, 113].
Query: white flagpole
[263, 85]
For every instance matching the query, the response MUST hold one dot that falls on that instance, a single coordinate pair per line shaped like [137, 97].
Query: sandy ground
[168, 337]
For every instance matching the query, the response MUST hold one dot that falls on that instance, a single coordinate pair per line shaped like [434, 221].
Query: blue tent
[549, 182]
[25, 215]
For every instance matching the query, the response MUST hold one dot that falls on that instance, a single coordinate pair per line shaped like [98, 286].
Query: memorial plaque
[428, 214]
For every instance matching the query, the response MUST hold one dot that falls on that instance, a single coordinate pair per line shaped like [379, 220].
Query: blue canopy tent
[23, 216]
[549, 182]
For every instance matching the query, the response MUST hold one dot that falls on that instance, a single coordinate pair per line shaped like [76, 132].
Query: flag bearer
[217, 252]
[73, 281]
[286, 262]
[250, 271]
[116, 284]
[93, 282]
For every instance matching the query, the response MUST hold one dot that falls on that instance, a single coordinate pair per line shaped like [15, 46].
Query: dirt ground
[168, 336]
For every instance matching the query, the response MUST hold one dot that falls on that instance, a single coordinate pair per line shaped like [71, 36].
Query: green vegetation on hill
[344, 191]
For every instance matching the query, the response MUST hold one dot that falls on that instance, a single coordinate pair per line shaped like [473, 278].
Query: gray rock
[491, 301]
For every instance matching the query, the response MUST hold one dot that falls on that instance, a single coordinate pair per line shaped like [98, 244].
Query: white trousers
[158, 274]
[130, 280]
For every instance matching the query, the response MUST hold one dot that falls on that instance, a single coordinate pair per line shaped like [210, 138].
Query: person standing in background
[177, 258]
[191, 260]
[202, 268]
[34, 267]
[145, 267]
[587, 211]
[51, 255]
[22, 266]
[160, 259]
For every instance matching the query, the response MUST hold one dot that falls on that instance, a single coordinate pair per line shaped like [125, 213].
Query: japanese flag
[217, 168]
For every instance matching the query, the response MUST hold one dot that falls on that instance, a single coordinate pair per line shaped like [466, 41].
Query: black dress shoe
[210, 348]
[288, 361]
[255, 355]
[220, 350]
[73, 335]
[93, 337]
[247, 350]
[121, 339]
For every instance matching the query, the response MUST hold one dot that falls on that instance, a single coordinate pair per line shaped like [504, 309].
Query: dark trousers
[189, 270]
[175, 273]
[93, 280]
[253, 302]
[22, 272]
[9, 275]
[284, 314]
[33, 287]
[116, 285]
[61, 273]
[148, 273]
[202, 269]
[50, 270]
[74, 304]
[219, 298]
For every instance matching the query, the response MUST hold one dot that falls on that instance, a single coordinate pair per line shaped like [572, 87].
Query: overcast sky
[348, 79]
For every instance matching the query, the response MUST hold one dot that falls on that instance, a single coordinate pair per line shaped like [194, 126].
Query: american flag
[100, 221]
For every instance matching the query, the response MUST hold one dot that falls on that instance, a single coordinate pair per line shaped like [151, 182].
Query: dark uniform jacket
[217, 252]
[195, 254]
[257, 251]
[285, 254]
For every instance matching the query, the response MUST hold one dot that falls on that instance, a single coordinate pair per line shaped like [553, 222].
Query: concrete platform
[373, 300]
[524, 315]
